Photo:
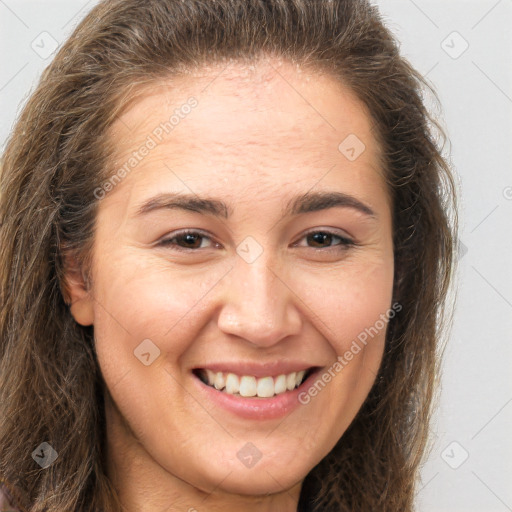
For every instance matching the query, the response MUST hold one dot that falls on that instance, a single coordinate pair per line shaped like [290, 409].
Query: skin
[258, 136]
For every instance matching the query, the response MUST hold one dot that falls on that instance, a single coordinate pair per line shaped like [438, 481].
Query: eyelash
[345, 243]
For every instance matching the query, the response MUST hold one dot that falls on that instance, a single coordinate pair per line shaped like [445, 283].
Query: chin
[259, 481]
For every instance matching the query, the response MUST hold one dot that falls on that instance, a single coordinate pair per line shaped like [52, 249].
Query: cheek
[351, 307]
[350, 303]
[138, 299]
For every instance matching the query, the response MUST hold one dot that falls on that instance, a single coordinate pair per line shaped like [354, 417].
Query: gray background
[470, 465]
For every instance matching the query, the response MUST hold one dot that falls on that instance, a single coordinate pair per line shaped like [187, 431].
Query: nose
[258, 305]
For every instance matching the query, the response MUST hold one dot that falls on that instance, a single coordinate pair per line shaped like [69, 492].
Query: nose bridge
[258, 306]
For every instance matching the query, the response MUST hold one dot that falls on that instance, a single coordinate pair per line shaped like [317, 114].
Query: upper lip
[258, 370]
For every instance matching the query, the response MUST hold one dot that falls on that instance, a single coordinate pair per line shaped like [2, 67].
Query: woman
[227, 240]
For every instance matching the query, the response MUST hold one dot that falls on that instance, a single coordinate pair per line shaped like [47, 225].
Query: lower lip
[255, 408]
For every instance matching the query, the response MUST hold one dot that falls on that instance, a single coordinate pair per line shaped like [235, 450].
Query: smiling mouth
[248, 386]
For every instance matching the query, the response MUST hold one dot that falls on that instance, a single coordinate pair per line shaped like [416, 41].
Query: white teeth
[211, 377]
[280, 385]
[220, 382]
[232, 384]
[290, 381]
[265, 387]
[249, 386]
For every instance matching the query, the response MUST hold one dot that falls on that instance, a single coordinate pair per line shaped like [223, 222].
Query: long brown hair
[50, 382]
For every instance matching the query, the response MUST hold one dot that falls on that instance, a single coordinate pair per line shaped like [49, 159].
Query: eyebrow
[305, 203]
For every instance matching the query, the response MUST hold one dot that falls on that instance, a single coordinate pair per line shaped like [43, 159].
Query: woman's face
[289, 260]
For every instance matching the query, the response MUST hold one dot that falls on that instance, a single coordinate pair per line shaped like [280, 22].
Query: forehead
[271, 120]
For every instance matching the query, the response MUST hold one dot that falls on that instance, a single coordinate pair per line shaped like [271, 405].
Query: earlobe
[76, 292]
[82, 311]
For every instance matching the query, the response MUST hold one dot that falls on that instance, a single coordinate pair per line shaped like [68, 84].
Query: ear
[76, 291]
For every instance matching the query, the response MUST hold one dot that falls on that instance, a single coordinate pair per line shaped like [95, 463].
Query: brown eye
[326, 240]
[185, 240]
